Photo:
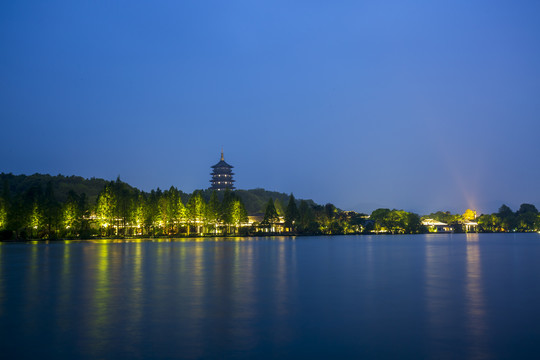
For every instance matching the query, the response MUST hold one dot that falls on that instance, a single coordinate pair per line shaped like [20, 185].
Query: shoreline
[202, 237]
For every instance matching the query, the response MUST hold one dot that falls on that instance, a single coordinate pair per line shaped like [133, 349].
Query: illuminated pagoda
[222, 175]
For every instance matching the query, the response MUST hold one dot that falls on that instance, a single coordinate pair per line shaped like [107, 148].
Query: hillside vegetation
[61, 185]
[255, 200]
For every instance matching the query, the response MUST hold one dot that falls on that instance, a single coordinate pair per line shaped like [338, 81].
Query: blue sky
[419, 105]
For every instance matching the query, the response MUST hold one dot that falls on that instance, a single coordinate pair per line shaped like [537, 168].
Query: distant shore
[60, 207]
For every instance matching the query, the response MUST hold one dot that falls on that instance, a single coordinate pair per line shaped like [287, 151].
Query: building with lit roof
[437, 226]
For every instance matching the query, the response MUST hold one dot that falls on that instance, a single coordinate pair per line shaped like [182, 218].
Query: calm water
[386, 297]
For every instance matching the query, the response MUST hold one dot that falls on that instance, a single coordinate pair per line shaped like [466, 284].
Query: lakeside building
[437, 226]
[256, 222]
[460, 226]
[222, 176]
[468, 226]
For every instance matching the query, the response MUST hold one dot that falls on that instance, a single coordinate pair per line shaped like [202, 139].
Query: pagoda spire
[222, 158]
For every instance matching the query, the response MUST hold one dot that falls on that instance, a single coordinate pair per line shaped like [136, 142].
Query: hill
[19, 184]
[255, 200]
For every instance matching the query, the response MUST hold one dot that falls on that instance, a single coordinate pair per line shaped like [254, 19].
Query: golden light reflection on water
[97, 323]
[64, 297]
[190, 282]
[32, 286]
[437, 296]
[476, 313]
[368, 277]
[285, 271]
[198, 280]
[442, 269]
[129, 299]
[204, 289]
[134, 293]
[280, 281]
[243, 299]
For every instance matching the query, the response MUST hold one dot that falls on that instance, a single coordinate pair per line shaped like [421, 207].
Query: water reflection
[283, 304]
[369, 276]
[242, 300]
[363, 296]
[443, 278]
[476, 312]
[203, 295]
[97, 313]
[192, 277]
[32, 283]
[134, 292]
[439, 297]
[64, 297]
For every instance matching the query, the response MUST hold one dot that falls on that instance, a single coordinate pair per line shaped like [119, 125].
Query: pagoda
[222, 175]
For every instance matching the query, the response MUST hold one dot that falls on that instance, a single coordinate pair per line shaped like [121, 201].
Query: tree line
[525, 219]
[123, 211]
[120, 210]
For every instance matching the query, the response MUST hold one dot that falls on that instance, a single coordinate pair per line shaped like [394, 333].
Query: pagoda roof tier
[222, 164]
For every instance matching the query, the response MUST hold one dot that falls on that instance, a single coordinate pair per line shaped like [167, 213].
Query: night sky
[415, 105]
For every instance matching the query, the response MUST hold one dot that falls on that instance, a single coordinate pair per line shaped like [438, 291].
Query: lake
[439, 296]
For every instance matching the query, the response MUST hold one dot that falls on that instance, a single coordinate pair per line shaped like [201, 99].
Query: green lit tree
[508, 218]
[173, 212]
[196, 209]
[238, 213]
[489, 222]
[51, 209]
[4, 206]
[123, 210]
[71, 216]
[84, 213]
[445, 217]
[139, 213]
[280, 209]
[527, 216]
[226, 207]
[469, 215]
[271, 216]
[291, 213]
[213, 212]
[181, 214]
[233, 211]
[3, 214]
[36, 219]
[106, 209]
[380, 218]
[165, 213]
[307, 223]
[330, 211]
[396, 221]
[152, 214]
[414, 224]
